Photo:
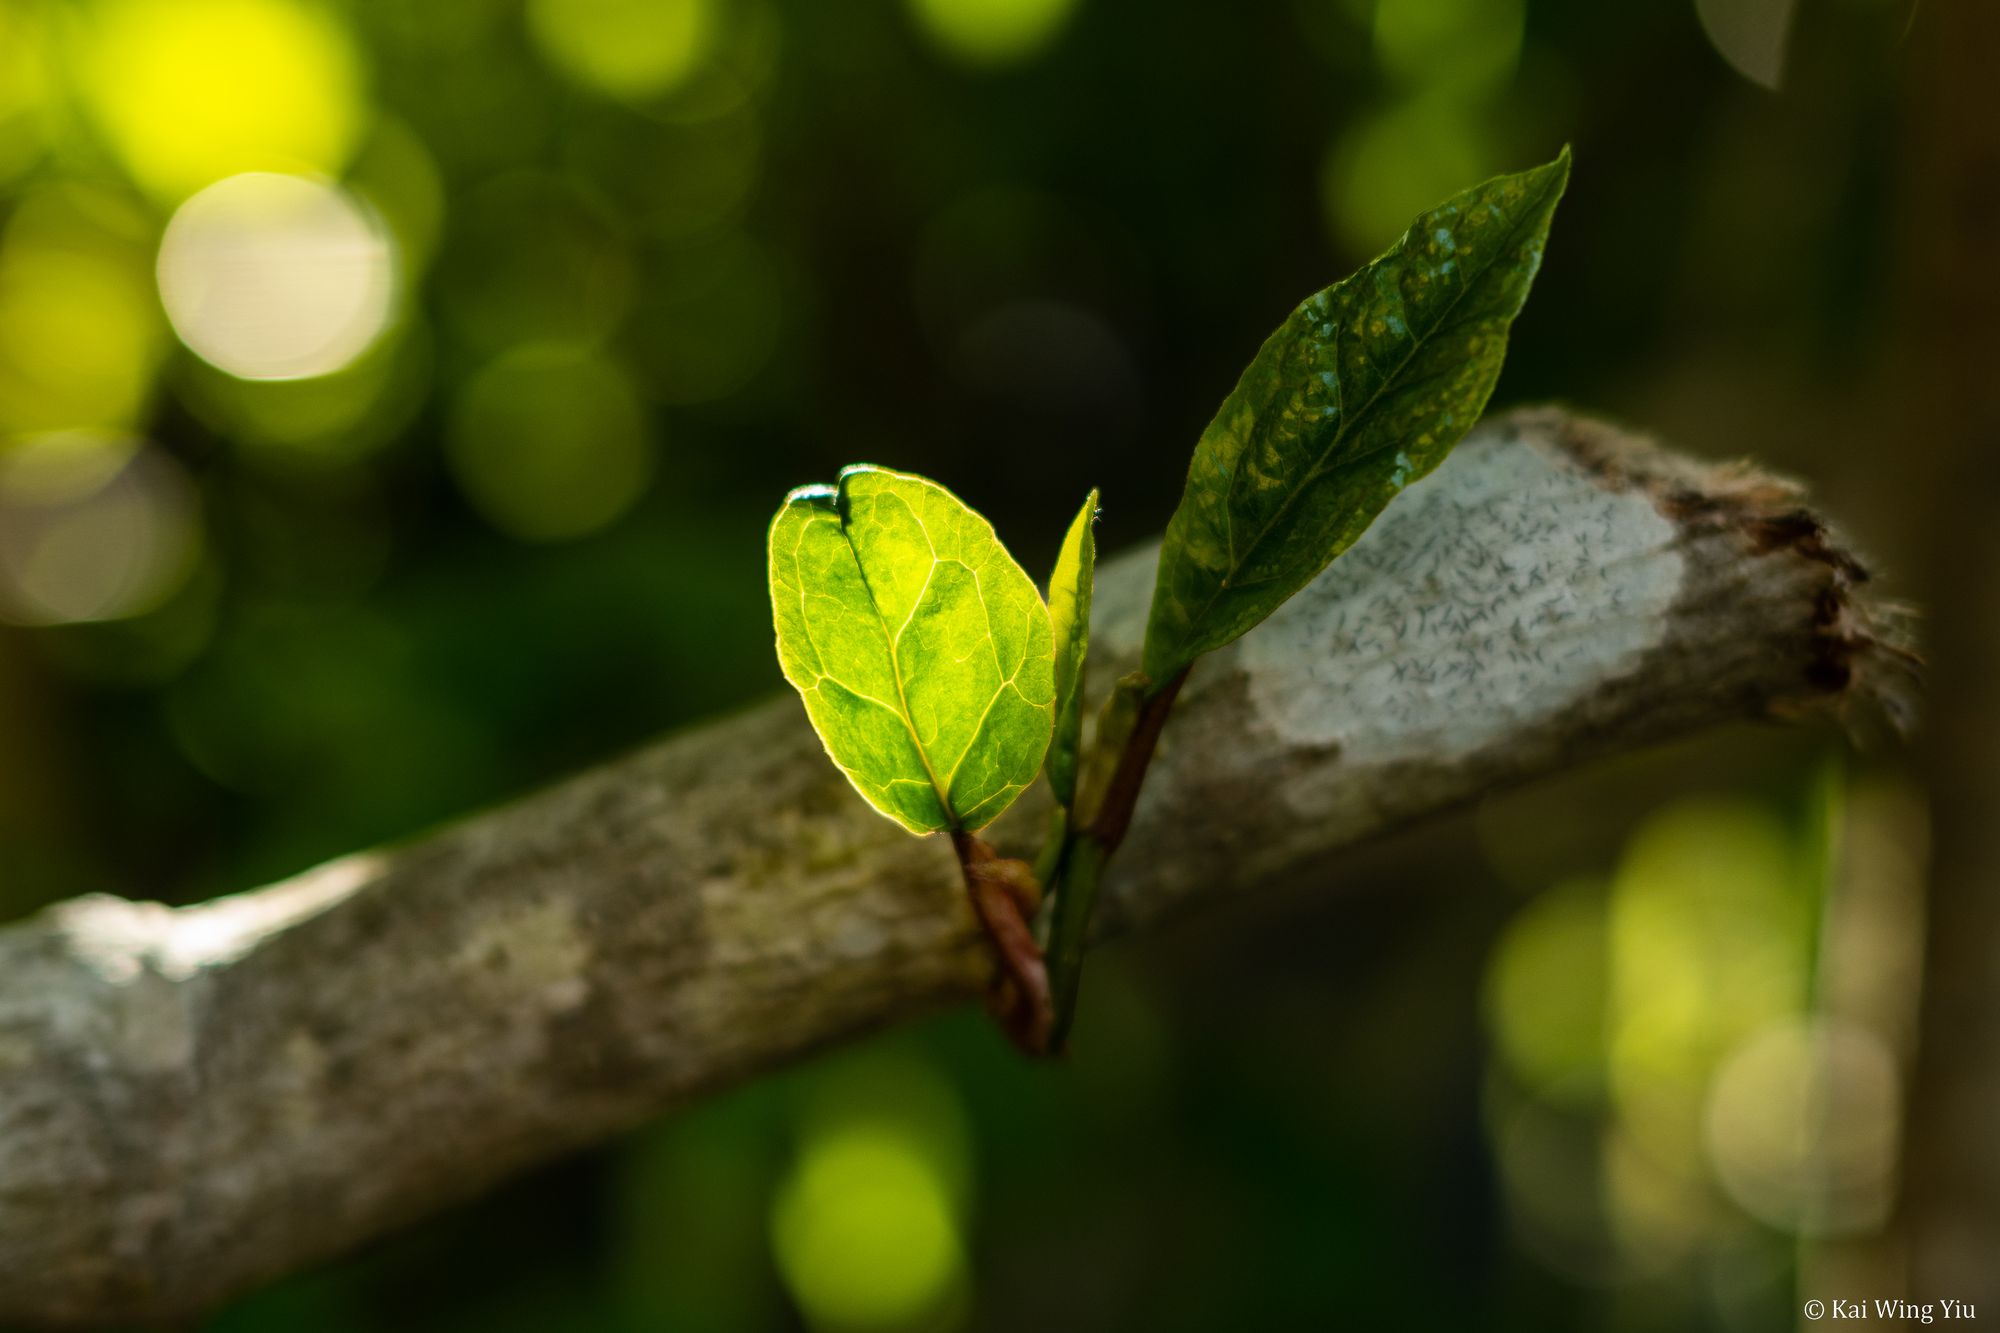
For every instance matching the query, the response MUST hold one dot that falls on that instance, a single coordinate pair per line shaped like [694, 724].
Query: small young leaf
[1364, 389]
[922, 650]
[1069, 616]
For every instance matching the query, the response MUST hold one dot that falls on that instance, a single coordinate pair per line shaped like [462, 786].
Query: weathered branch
[195, 1101]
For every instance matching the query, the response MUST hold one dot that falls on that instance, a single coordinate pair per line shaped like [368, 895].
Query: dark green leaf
[1364, 389]
[922, 650]
[1069, 616]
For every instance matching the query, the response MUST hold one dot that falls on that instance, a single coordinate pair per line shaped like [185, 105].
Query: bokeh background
[392, 399]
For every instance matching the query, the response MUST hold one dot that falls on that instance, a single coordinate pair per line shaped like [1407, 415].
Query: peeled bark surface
[196, 1101]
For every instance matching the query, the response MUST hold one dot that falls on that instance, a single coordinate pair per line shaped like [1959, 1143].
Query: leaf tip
[1555, 172]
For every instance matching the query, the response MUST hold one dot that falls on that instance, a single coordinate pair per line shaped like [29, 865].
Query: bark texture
[195, 1101]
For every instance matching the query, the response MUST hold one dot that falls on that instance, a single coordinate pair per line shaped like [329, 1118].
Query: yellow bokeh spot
[1652, 1041]
[1466, 47]
[865, 1234]
[1385, 169]
[992, 32]
[24, 86]
[80, 334]
[627, 48]
[1545, 993]
[549, 443]
[1709, 942]
[190, 91]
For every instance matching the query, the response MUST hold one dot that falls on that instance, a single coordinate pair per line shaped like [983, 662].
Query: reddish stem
[1004, 896]
[1121, 794]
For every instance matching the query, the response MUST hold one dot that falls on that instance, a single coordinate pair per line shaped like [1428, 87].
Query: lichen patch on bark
[538, 952]
[1468, 611]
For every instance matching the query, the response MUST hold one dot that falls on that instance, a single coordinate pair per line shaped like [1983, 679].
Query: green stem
[1087, 849]
[1083, 866]
[1048, 862]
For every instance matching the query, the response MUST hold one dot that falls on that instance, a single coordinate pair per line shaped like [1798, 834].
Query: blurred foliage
[643, 265]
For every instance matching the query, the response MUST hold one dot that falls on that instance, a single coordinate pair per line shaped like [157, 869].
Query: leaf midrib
[895, 660]
[894, 640]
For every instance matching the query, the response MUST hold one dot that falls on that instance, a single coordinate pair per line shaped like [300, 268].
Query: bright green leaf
[923, 652]
[1069, 615]
[1364, 389]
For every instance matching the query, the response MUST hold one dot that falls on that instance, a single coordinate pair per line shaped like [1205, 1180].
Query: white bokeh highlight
[92, 527]
[276, 277]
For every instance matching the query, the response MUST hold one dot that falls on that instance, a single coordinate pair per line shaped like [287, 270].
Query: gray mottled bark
[194, 1101]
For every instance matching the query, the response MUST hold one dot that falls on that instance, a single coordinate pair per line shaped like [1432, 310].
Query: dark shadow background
[1622, 1052]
